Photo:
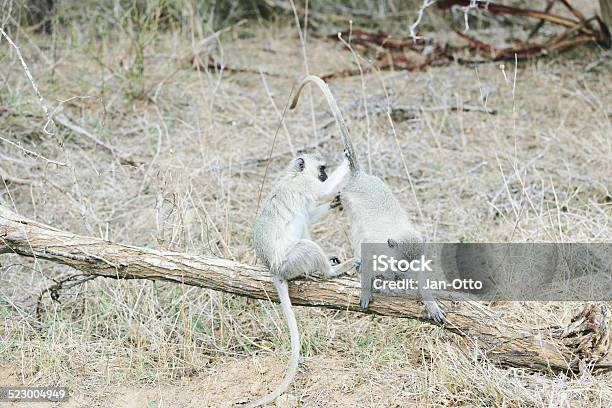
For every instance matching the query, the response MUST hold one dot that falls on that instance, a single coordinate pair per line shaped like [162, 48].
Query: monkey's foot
[434, 311]
[364, 301]
[336, 203]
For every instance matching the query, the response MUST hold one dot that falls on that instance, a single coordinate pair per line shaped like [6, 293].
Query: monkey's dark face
[322, 173]
[311, 166]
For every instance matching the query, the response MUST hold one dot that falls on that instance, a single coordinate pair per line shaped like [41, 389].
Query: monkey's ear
[392, 243]
[300, 164]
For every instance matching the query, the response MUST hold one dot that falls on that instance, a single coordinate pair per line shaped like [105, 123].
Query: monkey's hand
[349, 159]
[336, 203]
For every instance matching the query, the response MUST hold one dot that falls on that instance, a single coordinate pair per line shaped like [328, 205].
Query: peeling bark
[583, 343]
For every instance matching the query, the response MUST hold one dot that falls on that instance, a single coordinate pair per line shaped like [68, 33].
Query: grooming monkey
[282, 240]
[376, 214]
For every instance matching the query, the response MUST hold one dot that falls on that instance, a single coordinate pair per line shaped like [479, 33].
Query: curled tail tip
[314, 79]
[311, 77]
[296, 96]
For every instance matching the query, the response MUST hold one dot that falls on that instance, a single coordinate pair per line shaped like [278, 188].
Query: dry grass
[539, 170]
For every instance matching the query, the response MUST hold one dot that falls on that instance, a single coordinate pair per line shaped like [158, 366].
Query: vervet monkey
[376, 214]
[283, 244]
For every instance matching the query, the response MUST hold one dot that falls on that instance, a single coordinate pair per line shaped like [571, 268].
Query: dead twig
[32, 153]
[216, 66]
[6, 179]
[124, 158]
[501, 9]
[537, 27]
[577, 31]
[41, 100]
[574, 10]
[393, 53]
[201, 45]
[54, 289]
[496, 53]
[425, 52]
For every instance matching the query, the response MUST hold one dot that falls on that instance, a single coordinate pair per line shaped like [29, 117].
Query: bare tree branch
[583, 343]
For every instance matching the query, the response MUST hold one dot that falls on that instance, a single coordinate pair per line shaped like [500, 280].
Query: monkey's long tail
[331, 101]
[283, 293]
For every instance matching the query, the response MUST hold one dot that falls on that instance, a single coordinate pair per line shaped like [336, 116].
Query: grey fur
[376, 214]
[282, 240]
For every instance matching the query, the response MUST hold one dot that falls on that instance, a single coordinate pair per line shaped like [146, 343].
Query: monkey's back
[375, 213]
[281, 221]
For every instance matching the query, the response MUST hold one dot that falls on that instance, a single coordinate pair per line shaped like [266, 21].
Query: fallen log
[584, 343]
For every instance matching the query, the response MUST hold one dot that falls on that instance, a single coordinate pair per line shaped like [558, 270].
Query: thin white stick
[413, 27]
[40, 156]
[363, 93]
[278, 113]
[41, 100]
[302, 36]
[473, 5]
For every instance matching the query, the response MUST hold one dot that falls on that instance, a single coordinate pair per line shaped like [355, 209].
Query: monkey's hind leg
[429, 302]
[306, 258]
